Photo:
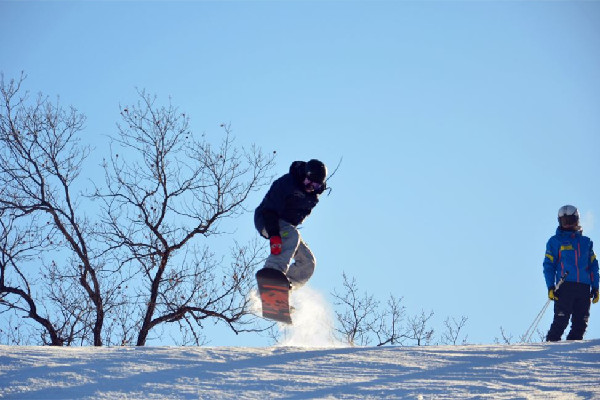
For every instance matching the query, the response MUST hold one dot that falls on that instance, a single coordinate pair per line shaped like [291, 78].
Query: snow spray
[313, 323]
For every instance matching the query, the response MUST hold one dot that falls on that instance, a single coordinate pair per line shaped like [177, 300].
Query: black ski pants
[574, 303]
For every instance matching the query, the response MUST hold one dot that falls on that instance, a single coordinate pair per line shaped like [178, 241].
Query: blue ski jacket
[572, 252]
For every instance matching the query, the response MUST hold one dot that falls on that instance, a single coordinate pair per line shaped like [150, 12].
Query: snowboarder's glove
[275, 244]
[594, 295]
[552, 293]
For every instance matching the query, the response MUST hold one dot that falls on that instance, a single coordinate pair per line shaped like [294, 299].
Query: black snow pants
[574, 303]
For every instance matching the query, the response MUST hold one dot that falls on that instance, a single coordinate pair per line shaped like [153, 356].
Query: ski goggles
[312, 185]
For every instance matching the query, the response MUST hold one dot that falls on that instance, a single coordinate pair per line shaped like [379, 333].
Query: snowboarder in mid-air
[570, 255]
[288, 202]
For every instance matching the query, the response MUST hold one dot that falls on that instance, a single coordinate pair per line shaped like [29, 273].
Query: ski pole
[527, 336]
[562, 279]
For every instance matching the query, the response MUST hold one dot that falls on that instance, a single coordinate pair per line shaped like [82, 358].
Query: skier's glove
[594, 295]
[552, 293]
[275, 244]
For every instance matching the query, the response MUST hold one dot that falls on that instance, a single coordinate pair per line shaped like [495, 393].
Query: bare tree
[359, 313]
[541, 335]
[390, 329]
[418, 329]
[453, 330]
[363, 321]
[165, 190]
[40, 159]
[506, 338]
[17, 246]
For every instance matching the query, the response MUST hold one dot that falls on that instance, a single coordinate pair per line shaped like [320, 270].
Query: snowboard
[274, 290]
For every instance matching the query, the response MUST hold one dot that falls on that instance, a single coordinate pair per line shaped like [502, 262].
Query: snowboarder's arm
[271, 222]
[273, 206]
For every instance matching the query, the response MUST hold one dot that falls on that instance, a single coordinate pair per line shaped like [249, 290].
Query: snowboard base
[274, 290]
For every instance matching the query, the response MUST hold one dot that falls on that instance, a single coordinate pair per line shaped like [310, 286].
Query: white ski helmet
[568, 216]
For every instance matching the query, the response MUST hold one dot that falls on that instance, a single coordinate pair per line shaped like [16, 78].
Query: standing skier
[288, 202]
[569, 252]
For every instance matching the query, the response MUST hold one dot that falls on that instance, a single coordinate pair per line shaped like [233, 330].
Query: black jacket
[287, 200]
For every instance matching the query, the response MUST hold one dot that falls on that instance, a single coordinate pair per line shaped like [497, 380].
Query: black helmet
[316, 171]
[568, 217]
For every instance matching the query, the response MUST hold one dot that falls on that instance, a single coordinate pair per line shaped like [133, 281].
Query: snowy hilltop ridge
[566, 370]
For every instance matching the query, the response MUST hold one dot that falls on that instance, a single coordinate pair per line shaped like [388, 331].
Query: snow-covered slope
[567, 370]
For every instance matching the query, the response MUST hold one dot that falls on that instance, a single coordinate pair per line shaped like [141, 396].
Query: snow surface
[566, 370]
[309, 363]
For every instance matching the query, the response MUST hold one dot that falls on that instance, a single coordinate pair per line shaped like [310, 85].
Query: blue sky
[463, 126]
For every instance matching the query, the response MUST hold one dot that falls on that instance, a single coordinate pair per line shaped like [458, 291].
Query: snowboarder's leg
[581, 314]
[303, 267]
[290, 238]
